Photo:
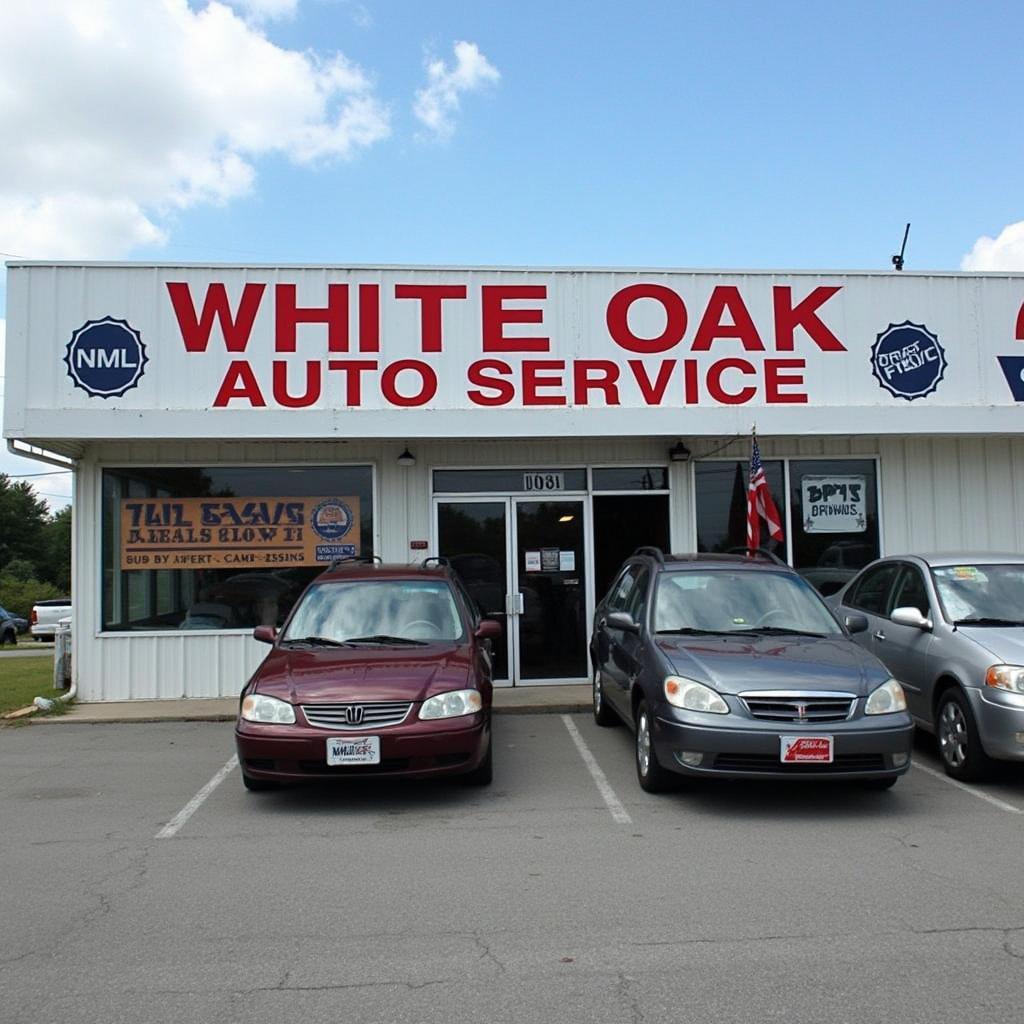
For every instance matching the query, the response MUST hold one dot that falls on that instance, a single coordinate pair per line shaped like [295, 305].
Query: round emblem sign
[908, 361]
[106, 358]
[331, 519]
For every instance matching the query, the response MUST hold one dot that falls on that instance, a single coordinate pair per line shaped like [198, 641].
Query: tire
[603, 715]
[9, 637]
[653, 778]
[483, 773]
[959, 744]
[257, 785]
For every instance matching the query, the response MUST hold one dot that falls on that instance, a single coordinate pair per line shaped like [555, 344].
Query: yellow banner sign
[237, 533]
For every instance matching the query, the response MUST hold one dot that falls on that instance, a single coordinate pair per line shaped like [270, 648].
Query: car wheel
[959, 743]
[652, 777]
[257, 785]
[603, 714]
[482, 774]
[9, 637]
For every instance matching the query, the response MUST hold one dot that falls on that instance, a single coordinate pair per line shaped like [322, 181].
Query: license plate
[353, 750]
[801, 749]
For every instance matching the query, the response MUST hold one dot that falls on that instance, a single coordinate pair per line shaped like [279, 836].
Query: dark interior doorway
[622, 523]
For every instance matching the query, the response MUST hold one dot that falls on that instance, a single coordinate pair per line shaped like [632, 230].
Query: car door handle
[879, 635]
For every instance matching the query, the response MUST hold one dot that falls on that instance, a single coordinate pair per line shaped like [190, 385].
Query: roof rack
[648, 549]
[438, 560]
[757, 553]
[355, 558]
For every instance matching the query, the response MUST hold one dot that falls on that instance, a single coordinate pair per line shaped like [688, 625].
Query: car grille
[800, 707]
[347, 717]
[771, 763]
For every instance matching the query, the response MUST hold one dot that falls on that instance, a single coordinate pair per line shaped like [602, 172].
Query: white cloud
[265, 10]
[438, 102]
[1005, 252]
[115, 113]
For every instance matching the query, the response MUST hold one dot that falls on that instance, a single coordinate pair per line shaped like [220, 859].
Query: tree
[55, 560]
[23, 517]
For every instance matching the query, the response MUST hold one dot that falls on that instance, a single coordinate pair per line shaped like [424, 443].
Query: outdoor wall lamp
[679, 452]
[406, 458]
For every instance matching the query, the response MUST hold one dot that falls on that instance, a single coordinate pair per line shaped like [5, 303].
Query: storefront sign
[237, 533]
[834, 504]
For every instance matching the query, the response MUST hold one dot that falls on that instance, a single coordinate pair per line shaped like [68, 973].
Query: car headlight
[888, 698]
[694, 696]
[1006, 677]
[453, 704]
[259, 708]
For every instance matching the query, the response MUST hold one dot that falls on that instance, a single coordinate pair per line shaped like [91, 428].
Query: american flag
[759, 502]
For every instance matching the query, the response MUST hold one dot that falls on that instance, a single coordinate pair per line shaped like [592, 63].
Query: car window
[871, 594]
[621, 588]
[636, 600]
[738, 601]
[411, 609]
[910, 591]
[986, 592]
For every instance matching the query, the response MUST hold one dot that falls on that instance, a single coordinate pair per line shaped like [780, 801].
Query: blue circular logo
[332, 519]
[106, 358]
[908, 361]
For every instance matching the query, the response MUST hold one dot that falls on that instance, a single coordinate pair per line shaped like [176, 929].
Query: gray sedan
[950, 628]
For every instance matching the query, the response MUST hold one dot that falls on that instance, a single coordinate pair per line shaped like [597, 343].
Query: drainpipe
[62, 640]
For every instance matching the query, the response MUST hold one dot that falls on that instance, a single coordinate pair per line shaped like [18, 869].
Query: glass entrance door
[524, 561]
[550, 573]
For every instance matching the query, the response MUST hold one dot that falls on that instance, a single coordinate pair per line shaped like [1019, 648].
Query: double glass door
[524, 561]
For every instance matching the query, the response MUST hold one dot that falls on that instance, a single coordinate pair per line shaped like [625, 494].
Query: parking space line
[619, 812]
[987, 797]
[171, 828]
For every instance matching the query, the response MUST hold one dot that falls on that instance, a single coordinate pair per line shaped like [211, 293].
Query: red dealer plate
[799, 749]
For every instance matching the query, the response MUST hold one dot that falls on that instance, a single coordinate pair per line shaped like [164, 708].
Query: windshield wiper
[315, 641]
[382, 638]
[691, 631]
[982, 620]
[786, 631]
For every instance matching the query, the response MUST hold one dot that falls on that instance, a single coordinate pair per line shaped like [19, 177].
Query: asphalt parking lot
[134, 890]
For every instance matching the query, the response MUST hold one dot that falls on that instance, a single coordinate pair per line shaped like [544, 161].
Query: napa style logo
[106, 358]
[332, 519]
[908, 361]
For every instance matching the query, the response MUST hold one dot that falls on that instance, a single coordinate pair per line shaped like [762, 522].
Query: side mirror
[623, 621]
[856, 623]
[910, 617]
[489, 629]
[265, 634]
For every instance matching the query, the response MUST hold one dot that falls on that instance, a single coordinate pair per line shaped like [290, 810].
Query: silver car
[950, 628]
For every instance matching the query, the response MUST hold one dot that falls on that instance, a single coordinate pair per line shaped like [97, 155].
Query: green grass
[21, 679]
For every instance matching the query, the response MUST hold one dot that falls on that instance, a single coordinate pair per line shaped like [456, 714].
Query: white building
[232, 427]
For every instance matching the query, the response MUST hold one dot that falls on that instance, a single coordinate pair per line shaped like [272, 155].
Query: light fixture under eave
[679, 452]
[406, 458]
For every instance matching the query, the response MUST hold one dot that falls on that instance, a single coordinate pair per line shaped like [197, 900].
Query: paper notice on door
[549, 559]
[533, 561]
[566, 561]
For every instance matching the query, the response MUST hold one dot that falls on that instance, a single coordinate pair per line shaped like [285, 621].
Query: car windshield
[721, 601]
[376, 611]
[986, 594]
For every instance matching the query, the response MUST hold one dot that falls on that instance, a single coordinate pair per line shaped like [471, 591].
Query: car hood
[1004, 643]
[324, 674]
[733, 665]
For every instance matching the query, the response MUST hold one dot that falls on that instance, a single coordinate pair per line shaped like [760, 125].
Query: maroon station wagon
[379, 670]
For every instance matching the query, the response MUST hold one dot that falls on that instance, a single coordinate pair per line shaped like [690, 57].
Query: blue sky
[706, 135]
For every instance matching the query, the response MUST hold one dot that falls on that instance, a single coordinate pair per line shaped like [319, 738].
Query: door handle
[879, 635]
[513, 604]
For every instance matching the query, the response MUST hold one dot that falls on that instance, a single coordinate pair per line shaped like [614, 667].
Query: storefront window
[833, 528]
[722, 504]
[225, 547]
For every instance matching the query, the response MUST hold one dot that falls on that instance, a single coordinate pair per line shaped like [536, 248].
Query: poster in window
[834, 504]
[237, 533]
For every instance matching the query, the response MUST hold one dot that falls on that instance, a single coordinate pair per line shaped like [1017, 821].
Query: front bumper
[297, 753]
[747, 748]
[1000, 718]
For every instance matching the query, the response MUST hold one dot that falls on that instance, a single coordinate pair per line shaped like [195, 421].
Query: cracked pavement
[412, 904]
